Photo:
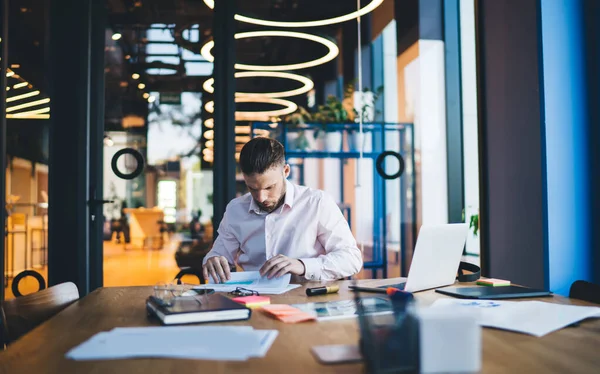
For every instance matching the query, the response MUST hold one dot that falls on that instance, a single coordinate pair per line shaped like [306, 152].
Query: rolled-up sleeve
[342, 257]
[226, 244]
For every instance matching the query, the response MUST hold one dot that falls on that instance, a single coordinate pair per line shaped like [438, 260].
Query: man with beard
[279, 227]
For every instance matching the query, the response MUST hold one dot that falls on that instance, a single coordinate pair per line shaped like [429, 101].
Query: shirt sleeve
[342, 257]
[226, 244]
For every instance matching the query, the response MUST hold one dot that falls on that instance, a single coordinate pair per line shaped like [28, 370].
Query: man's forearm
[337, 264]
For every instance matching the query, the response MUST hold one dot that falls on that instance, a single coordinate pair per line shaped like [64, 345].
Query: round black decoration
[379, 165]
[138, 157]
[27, 273]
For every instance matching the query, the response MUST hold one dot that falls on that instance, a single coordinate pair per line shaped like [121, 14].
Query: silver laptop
[435, 260]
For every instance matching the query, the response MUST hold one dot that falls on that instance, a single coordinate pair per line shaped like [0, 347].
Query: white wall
[364, 202]
[311, 172]
[426, 103]
[469, 102]
[390, 114]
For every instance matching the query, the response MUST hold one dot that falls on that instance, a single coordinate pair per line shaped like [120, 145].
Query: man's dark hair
[261, 154]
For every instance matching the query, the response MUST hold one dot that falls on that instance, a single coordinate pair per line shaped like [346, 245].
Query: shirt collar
[289, 194]
[253, 207]
[289, 199]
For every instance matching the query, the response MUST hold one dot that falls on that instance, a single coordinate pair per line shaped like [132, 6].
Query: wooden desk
[570, 350]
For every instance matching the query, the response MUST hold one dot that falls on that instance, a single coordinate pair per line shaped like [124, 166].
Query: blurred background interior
[338, 82]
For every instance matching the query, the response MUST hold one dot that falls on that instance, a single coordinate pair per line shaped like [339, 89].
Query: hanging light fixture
[322, 22]
[264, 115]
[308, 84]
[332, 53]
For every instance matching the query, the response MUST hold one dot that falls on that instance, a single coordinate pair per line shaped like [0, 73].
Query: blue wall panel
[565, 117]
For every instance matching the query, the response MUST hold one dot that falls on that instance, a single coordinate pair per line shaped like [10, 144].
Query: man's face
[268, 188]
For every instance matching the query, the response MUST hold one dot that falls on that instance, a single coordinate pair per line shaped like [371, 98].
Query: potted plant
[302, 137]
[333, 112]
[474, 227]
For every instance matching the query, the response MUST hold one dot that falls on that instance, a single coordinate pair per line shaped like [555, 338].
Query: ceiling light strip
[329, 21]
[22, 96]
[30, 116]
[27, 105]
[35, 111]
[20, 85]
[205, 51]
[308, 84]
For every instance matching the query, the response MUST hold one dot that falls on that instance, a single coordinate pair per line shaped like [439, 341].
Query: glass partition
[27, 116]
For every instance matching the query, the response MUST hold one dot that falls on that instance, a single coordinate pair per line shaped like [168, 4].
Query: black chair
[586, 291]
[190, 271]
[195, 272]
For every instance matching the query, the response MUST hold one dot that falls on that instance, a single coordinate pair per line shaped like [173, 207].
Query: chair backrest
[23, 314]
[587, 291]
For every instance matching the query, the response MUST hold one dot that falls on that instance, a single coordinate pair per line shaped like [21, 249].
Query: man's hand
[280, 265]
[218, 268]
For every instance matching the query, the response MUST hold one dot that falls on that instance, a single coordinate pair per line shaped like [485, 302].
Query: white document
[232, 343]
[252, 280]
[535, 318]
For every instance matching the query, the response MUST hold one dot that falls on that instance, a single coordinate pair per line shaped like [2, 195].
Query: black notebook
[486, 292]
[190, 309]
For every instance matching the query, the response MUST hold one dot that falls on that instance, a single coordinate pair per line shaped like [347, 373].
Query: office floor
[136, 267]
[131, 267]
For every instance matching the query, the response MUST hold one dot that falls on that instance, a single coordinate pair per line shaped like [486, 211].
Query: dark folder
[485, 292]
[192, 309]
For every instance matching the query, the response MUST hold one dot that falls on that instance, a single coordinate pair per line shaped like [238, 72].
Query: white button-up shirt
[308, 226]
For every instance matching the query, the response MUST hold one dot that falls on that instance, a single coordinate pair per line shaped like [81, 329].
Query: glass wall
[287, 82]
[160, 218]
[27, 113]
[353, 106]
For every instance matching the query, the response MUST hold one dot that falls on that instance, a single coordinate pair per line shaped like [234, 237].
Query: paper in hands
[252, 280]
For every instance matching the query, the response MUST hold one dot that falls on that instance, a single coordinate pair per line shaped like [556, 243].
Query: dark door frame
[4, 9]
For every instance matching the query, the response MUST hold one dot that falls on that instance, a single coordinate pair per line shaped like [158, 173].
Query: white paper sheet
[231, 343]
[253, 281]
[535, 318]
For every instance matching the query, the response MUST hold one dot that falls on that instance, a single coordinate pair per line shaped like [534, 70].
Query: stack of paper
[234, 343]
[287, 313]
[535, 318]
[252, 280]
